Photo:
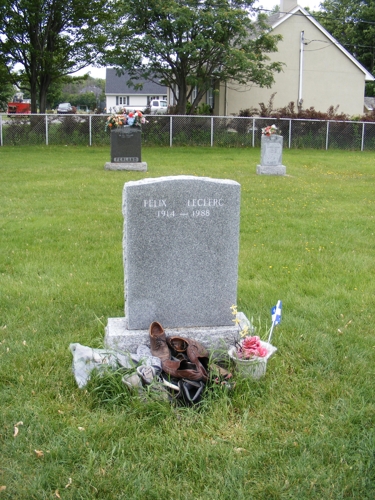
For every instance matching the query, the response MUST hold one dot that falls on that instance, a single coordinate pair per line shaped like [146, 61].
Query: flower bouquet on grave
[136, 119]
[250, 353]
[115, 121]
[122, 119]
[270, 130]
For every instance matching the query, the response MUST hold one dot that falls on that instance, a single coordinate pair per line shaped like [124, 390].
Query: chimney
[287, 5]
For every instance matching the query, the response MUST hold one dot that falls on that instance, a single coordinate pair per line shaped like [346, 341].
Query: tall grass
[305, 431]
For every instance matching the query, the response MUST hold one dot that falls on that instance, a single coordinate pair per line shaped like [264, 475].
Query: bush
[289, 111]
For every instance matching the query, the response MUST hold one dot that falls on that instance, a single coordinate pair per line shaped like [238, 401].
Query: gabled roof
[115, 84]
[276, 19]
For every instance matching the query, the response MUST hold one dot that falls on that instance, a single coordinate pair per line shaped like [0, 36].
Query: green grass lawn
[305, 431]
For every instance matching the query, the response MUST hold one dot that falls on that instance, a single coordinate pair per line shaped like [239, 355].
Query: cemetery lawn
[305, 431]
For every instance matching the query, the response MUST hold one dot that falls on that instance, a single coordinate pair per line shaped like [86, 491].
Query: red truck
[19, 105]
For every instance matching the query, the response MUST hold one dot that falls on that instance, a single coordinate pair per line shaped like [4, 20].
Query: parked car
[158, 107]
[66, 108]
[129, 109]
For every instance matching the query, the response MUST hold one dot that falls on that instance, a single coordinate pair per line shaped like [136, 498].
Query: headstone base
[216, 339]
[142, 166]
[271, 170]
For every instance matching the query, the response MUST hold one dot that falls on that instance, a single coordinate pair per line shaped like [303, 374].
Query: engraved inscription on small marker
[126, 159]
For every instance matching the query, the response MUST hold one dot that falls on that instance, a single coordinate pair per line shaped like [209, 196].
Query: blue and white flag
[276, 313]
[276, 317]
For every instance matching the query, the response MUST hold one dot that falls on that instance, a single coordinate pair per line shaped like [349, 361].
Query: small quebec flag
[276, 313]
[276, 318]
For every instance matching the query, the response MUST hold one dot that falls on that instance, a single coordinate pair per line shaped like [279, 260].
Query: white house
[318, 71]
[120, 95]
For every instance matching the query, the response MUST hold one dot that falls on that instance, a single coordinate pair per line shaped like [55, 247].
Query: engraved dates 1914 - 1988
[195, 207]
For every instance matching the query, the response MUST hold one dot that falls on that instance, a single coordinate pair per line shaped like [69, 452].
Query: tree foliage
[91, 99]
[78, 90]
[352, 23]
[192, 45]
[50, 38]
[6, 88]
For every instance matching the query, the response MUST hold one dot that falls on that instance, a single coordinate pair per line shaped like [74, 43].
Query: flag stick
[276, 318]
[271, 330]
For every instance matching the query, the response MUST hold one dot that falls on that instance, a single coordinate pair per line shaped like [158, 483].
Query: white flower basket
[255, 367]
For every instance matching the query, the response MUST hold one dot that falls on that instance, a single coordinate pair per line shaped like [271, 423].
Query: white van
[158, 107]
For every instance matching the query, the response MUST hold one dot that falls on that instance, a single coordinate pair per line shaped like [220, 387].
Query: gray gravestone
[180, 251]
[181, 239]
[126, 145]
[271, 156]
[126, 149]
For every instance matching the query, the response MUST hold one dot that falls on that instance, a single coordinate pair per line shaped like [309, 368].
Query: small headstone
[126, 149]
[180, 250]
[271, 156]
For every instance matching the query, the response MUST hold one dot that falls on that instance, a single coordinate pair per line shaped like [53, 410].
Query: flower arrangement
[135, 119]
[115, 121]
[249, 353]
[270, 130]
[249, 346]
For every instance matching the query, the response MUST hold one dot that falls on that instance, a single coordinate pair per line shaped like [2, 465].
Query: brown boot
[198, 354]
[158, 342]
[195, 352]
[182, 369]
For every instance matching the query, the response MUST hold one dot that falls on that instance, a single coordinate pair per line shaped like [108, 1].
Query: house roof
[278, 18]
[115, 84]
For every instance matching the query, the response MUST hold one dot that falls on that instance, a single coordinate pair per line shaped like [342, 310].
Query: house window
[124, 100]
[194, 94]
[210, 97]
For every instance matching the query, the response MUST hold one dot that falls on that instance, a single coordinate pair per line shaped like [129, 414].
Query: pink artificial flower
[267, 131]
[250, 347]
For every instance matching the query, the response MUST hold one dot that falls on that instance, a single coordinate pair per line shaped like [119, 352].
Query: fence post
[327, 135]
[363, 137]
[90, 130]
[46, 122]
[170, 131]
[253, 139]
[1, 130]
[290, 134]
[212, 131]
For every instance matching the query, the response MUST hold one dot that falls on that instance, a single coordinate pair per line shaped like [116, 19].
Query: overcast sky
[266, 4]
[270, 4]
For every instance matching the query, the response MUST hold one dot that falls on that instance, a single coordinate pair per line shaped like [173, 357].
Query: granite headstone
[181, 239]
[180, 251]
[271, 156]
[126, 149]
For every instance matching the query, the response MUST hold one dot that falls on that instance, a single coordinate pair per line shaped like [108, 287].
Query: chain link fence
[187, 131]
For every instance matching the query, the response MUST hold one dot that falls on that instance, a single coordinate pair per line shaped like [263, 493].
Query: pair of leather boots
[181, 358]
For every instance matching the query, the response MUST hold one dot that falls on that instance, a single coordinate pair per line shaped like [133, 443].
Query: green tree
[50, 38]
[88, 99]
[192, 45]
[57, 91]
[6, 87]
[352, 23]
[85, 91]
